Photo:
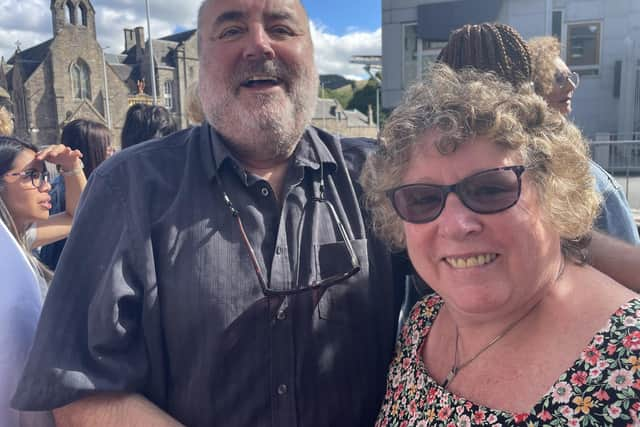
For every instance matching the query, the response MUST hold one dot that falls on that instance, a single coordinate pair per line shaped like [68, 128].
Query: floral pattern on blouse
[602, 388]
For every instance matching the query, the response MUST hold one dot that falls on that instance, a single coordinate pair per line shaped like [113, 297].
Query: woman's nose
[45, 186]
[456, 221]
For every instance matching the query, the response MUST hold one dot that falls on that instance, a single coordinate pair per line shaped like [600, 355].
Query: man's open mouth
[256, 82]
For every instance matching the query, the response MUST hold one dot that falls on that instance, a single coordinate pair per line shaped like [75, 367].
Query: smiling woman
[491, 194]
[24, 194]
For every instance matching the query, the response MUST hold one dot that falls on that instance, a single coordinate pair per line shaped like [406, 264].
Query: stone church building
[69, 77]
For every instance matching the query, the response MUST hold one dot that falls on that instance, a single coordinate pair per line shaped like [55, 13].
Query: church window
[83, 14]
[71, 13]
[80, 80]
[168, 94]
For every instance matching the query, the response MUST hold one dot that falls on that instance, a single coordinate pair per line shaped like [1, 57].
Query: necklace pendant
[450, 377]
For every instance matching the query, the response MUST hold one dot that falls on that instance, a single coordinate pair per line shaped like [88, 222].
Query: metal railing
[622, 160]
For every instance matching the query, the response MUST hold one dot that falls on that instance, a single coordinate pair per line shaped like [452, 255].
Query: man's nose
[259, 45]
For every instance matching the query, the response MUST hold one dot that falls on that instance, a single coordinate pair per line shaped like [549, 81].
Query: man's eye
[281, 31]
[230, 32]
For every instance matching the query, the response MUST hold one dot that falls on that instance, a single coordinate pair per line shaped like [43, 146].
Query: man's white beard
[271, 127]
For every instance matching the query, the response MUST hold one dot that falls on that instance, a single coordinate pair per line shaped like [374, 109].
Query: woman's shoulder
[420, 320]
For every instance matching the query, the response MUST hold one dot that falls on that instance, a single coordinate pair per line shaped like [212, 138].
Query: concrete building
[600, 38]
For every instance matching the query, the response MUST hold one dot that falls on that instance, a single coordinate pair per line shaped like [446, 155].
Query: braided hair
[490, 47]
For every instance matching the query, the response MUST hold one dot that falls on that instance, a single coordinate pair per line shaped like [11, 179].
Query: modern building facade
[600, 38]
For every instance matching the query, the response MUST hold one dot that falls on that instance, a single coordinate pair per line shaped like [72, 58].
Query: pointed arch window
[83, 14]
[80, 78]
[70, 10]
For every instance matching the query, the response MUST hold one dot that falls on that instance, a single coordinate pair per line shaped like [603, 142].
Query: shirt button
[282, 389]
[265, 191]
[282, 314]
[278, 250]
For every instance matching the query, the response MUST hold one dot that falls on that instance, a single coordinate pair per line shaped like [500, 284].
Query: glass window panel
[168, 94]
[410, 54]
[583, 44]
[556, 24]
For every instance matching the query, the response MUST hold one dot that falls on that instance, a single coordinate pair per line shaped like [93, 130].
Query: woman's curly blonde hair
[543, 52]
[6, 122]
[467, 104]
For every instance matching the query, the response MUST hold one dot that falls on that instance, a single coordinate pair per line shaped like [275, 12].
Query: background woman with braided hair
[495, 48]
[500, 49]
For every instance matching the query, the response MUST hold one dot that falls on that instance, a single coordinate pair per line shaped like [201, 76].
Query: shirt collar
[311, 150]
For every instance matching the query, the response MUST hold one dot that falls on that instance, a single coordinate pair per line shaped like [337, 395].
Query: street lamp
[153, 70]
[106, 88]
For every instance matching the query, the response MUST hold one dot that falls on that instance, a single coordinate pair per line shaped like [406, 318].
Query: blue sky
[339, 28]
[343, 16]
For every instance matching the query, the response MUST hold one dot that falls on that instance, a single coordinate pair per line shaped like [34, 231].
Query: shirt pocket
[344, 301]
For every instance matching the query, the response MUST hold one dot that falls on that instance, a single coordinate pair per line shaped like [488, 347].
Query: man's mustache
[275, 69]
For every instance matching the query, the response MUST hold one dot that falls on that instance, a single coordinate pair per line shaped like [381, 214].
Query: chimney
[129, 39]
[139, 35]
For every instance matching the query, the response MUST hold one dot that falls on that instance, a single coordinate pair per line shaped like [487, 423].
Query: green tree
[364, 97]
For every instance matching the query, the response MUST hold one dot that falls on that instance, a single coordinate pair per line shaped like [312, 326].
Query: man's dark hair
[489, 47]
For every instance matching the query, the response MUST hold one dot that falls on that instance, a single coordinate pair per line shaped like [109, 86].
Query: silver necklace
[458, 367]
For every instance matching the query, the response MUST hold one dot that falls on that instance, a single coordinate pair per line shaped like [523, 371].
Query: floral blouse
[602, 388]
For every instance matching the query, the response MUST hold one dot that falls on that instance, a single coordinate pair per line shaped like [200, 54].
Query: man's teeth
[472, 261]
[258, 79]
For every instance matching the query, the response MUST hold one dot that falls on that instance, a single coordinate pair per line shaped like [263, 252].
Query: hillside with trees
[351, 94]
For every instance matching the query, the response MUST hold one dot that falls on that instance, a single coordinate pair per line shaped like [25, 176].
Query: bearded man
[227, 276]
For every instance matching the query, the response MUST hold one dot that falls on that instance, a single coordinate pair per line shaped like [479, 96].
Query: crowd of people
[250, 270]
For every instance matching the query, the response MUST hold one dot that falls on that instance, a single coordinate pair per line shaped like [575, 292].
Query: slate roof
[326, 109]
[355, 118]
[163, 52]
[179, 37]
[30, 58]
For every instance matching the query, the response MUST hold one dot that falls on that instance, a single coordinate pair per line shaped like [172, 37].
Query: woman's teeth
[472, 261]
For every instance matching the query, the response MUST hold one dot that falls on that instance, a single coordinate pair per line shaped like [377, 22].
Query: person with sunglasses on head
[233, 277]
[24, 194]
[500, 49]
[556, 83]
[490, 192]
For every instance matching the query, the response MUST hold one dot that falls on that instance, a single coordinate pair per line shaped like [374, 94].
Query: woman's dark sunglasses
[488, 191]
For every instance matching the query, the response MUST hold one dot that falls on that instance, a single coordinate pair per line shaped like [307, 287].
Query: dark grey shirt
[155, 292]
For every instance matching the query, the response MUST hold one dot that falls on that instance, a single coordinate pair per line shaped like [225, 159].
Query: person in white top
[20, 304]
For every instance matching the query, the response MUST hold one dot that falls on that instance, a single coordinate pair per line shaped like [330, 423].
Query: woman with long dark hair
[24, 194]
[93, 140]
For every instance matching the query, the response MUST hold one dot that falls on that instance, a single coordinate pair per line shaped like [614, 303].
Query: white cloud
[334, 52]
[29, 22]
